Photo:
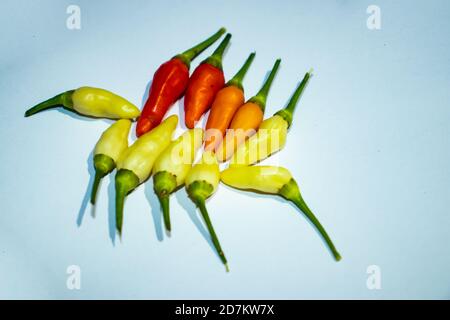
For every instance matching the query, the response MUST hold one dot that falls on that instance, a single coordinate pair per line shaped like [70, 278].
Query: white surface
[369, 147]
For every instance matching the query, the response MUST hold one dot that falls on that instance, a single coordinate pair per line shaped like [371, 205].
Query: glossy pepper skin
[201, 182]
[274, 180]
[173, 165]
[206, 80]
[246, 120]
[108, 149]
[92, 102]
[169, 84]
[225, 104]
[136, 162]
[271, 135]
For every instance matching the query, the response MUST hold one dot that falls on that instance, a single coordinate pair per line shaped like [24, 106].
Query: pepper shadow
[112, 207]
[91, 170]
[146, 93]
[184, 201]
[87, 194]
[155, 209]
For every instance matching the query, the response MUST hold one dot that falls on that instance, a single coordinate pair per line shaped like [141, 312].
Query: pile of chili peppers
[235, 130]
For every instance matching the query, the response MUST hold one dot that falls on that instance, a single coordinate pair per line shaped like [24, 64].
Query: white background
[369, 147]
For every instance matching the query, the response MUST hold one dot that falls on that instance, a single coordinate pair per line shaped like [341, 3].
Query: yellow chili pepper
[271, 135]
[108, 149]
[92, 102]
[173, 165]
[274, 180]
[201, 182]
[136, 163]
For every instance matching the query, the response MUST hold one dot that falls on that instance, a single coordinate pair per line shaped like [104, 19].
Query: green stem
[216, 58]
[288, 112]
[164, 201]
[261, 96]
[301, 204]
[200, 202]
[64, 99]
[239, 76]
[126, 181]
[291, 192]
[188, 55]
[103, 165]
[97, 179]
[120, 202]
[164, 184]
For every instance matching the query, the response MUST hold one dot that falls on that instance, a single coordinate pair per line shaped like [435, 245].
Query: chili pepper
[206, 80]
[172, 166]
[168, 85]
[271, 136]
[274, 180]
[201, 182]
[136, 162]
[225, 104]
[108, 149]
[246, 120]
[92, 102]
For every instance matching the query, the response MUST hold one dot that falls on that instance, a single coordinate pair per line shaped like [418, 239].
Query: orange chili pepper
[246, 120]
[206, 80]
[227, 101]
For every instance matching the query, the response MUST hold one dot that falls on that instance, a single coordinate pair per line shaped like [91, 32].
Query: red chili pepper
[168, 85]
[206, 80]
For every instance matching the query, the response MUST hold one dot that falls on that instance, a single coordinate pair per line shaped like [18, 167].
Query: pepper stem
[126, 181]
[103, 165]
[216, 58]
[63, 99]
[188, 55]
[164, 201]
[120, 202]
[261, 96]
[239, 76]
[291, 192]
[164, 184]
[288, 112]
[200, 202]
[97, 179]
